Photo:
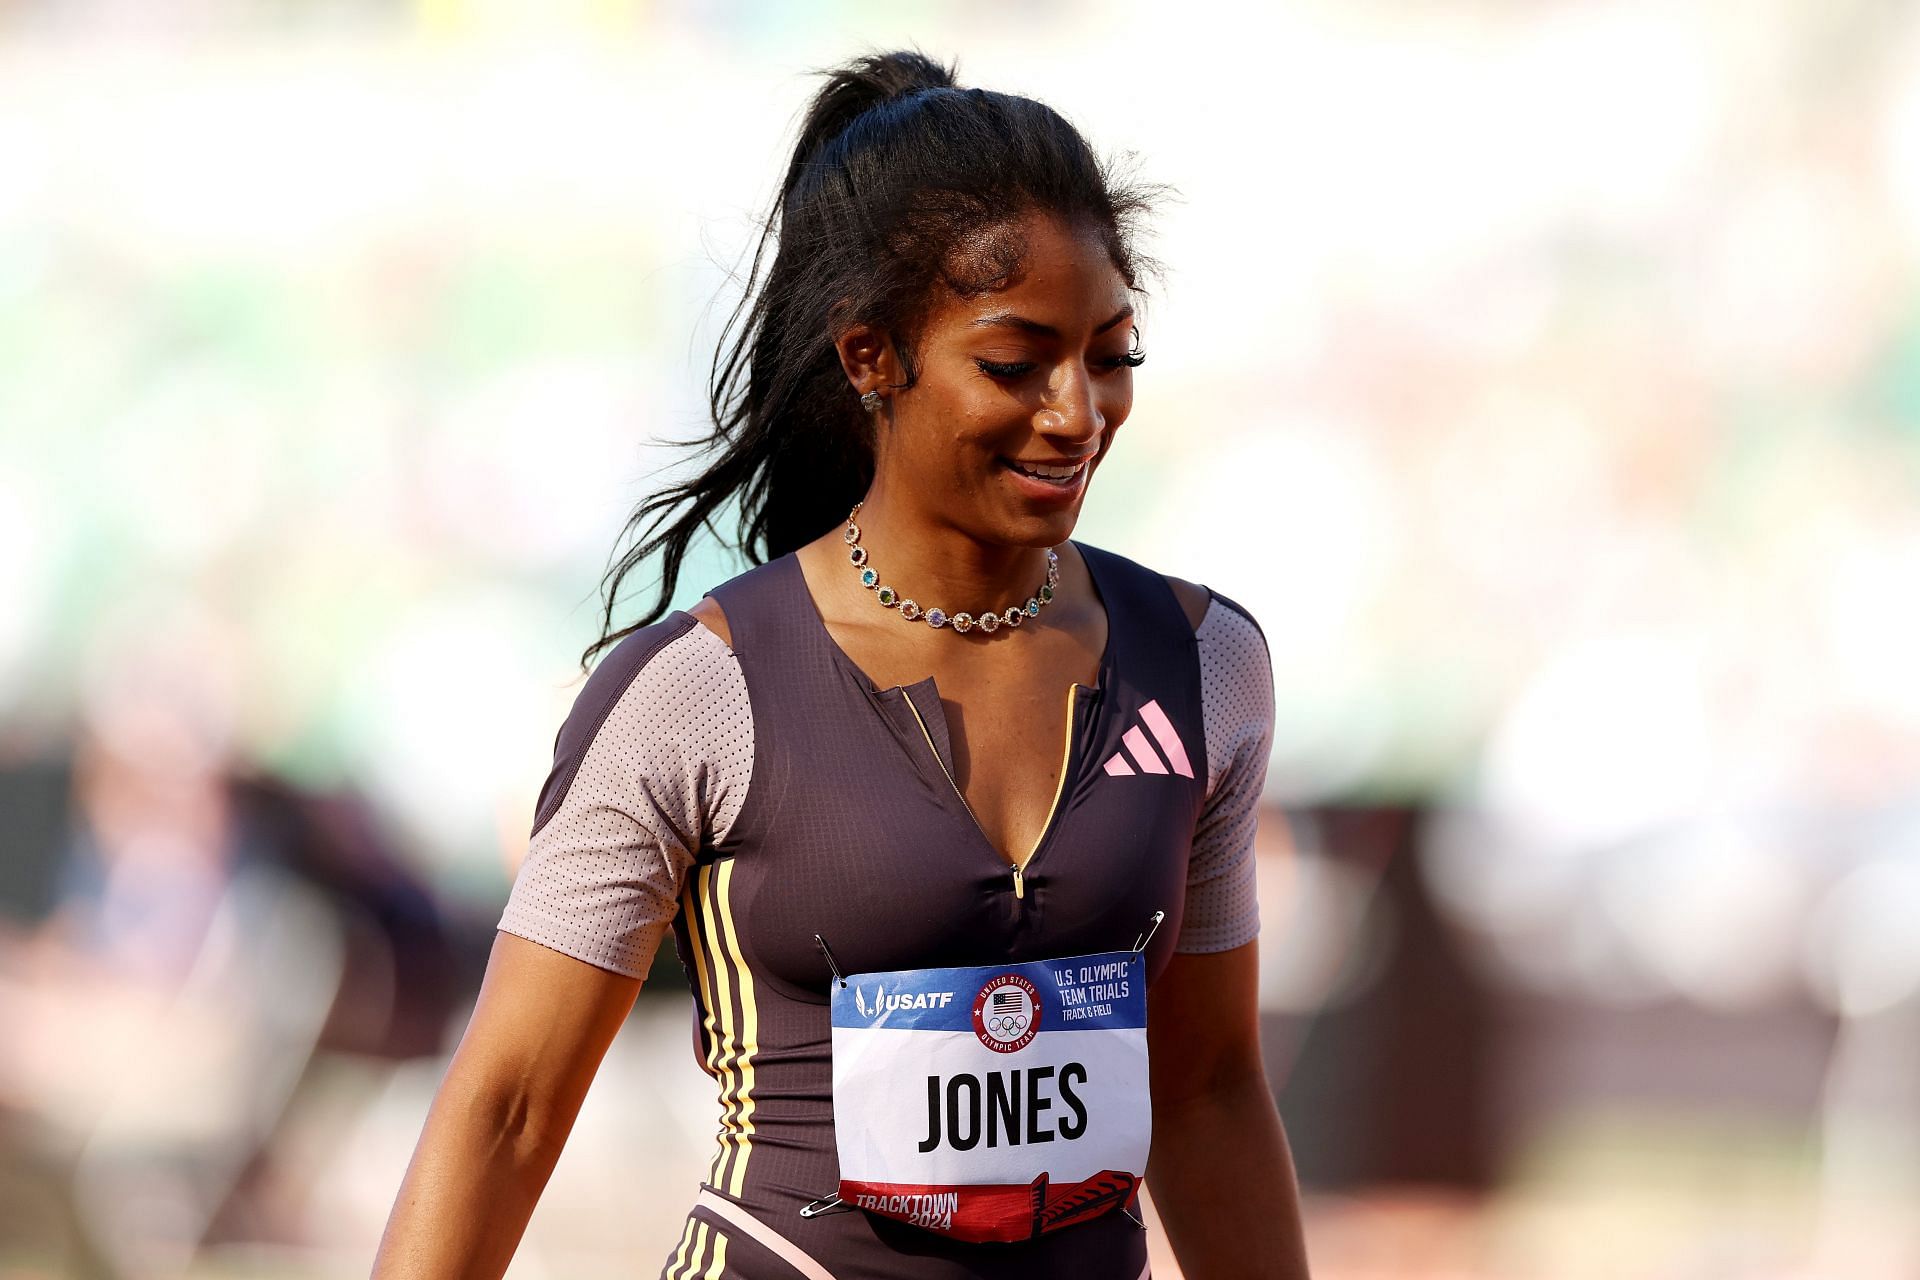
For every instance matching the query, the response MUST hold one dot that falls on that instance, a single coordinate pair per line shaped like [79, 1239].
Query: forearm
[1223, 1181]
[470, 1188]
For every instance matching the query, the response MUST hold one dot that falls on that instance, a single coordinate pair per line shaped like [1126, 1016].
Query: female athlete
[950, 817]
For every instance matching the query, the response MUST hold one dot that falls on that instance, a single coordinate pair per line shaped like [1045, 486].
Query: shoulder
[1236, 682]
[1208, 612]
[652, 655]
[708, 612]
[1228, 623]
[1233, 648]
[749, 586]
[669, 689]
[1214, 616]
[1193, 598]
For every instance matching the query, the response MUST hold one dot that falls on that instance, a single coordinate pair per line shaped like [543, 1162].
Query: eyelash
[1131, 360]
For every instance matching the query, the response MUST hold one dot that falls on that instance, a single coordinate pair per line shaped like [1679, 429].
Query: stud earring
[870, 402]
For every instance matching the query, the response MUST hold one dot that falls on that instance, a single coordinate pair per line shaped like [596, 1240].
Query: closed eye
[1020, 369]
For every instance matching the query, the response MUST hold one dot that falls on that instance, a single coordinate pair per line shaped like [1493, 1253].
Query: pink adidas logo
[1142, 751]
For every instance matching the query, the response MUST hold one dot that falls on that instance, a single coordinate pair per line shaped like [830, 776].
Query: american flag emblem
[1007, 1013]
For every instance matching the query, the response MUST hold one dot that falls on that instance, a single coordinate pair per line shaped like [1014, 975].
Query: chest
[855, 828]
[999, 723]
[967, 818]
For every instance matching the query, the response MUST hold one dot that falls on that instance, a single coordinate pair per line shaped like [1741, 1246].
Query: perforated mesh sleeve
[631, 798]
[1236, 698]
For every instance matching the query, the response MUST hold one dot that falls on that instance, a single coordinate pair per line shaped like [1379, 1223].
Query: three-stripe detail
[702, 1253]
[731, 1019]
[1144, 758]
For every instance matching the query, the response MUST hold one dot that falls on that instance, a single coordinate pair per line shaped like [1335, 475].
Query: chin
[1042, 528]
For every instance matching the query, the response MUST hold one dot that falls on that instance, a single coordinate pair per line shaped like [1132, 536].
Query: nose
[1070, 415]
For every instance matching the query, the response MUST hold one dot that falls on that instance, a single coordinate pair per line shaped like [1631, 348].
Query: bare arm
[542, 1024]
[1220, 1171]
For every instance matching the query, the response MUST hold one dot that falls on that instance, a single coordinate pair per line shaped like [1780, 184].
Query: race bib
[996, 1102]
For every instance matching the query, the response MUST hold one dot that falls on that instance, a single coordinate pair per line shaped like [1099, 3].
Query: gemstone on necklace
[989, 622]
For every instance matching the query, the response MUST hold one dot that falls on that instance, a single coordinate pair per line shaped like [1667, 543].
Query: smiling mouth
[1060, 474]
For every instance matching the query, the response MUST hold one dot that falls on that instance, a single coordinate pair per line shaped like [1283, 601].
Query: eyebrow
[1009, 320]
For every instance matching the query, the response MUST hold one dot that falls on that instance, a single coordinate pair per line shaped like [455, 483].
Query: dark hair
[900, 181]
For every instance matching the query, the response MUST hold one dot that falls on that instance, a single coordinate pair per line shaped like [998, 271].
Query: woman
[929, 797]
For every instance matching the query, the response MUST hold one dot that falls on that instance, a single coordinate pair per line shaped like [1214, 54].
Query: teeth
[1050, 473]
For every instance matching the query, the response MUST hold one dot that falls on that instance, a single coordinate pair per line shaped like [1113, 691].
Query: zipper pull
[1019, 882]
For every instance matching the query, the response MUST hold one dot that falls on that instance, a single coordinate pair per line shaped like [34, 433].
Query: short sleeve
[653, 760]
[1236, 696]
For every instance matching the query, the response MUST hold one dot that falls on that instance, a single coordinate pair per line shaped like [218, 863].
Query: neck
[936, 564]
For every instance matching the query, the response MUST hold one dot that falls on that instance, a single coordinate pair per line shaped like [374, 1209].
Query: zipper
[1066, 755]
[935, 752]
[1060, 785]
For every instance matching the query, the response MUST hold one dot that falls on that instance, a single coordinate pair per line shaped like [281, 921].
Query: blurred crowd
[180, 943]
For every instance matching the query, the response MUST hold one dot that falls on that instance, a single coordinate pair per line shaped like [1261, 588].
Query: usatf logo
[1006, 1013]
[884, 1003]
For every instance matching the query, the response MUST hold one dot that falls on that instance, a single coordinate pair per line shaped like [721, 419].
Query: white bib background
[993, 1102]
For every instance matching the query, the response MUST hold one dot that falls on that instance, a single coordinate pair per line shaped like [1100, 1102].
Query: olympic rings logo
[1007, 1013]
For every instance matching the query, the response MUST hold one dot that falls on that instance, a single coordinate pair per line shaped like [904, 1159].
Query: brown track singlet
[853, 830]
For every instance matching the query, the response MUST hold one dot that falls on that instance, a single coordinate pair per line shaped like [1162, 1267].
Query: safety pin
[824, 1205]
[1130, 1218]
[826, 951]
[1153, 926]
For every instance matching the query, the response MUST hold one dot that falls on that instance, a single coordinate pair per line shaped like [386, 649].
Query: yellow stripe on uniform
[695, 907]
[732, 1038]
[747, 1042]
[718, 1267]
[680, 1254]
[729, 1029]
[700, 1233]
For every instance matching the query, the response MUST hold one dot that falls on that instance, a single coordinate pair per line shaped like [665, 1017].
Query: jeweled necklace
[1011, 616]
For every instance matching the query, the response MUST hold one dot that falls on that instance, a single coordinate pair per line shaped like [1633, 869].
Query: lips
[1049, 472]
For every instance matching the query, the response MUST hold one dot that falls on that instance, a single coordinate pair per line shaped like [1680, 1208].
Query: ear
[868, 357]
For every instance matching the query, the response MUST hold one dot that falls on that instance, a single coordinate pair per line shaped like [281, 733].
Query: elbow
[1222, 1079]
[506, 1118]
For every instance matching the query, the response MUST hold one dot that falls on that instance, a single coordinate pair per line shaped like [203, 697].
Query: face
[1019, 394]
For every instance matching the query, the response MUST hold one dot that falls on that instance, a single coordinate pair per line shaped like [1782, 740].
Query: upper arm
[538, 1033]
[1237, 707]
[652, 764]
[1203, 1024]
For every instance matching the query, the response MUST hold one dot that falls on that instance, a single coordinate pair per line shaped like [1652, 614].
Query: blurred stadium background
[1546, 377]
